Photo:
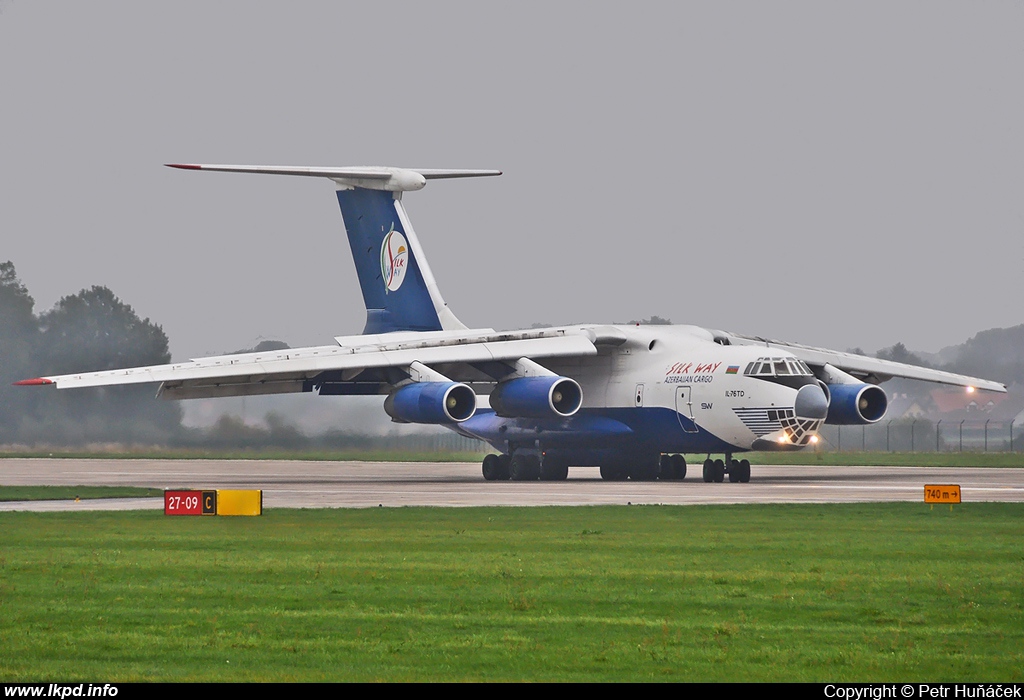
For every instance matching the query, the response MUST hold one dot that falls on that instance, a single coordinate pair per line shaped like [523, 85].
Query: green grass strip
[64, 493]
[858, 592]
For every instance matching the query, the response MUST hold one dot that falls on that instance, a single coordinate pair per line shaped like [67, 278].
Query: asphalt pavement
[307, 484]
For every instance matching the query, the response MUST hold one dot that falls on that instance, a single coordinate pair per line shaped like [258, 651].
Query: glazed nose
[811, 402]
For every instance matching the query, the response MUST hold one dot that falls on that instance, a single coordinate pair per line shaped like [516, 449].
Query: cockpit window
[777, 367]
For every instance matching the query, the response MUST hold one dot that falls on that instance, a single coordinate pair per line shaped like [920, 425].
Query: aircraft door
[684, 409]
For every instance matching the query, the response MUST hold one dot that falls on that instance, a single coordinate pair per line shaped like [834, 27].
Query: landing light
[814, 439]
[783, 439]
[970, 390]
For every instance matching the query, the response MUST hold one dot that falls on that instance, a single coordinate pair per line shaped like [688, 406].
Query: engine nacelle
[855, 404]
[431, 402]
[537, 397]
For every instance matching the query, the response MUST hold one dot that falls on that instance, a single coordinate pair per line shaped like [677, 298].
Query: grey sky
[837, 174]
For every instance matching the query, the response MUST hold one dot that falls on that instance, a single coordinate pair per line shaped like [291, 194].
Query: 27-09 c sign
[190, 502]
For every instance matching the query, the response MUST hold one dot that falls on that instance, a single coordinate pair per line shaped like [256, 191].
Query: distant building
[957, 405]
[949, 418]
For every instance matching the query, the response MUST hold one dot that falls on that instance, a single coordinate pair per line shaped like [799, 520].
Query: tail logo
[394, 259]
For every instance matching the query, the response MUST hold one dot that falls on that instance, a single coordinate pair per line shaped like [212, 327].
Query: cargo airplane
[629, 400]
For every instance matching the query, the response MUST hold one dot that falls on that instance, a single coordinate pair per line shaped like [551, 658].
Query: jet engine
[431, 402]
[855, 404]
[537, 397]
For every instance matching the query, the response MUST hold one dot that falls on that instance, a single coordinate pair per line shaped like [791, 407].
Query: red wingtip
[184, 166]
[34, 382]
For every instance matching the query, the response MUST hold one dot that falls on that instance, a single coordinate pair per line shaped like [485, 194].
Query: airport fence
[441, 442]
[920, 435]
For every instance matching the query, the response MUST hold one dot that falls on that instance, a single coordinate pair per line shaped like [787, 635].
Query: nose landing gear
[739, 471]
[715, 470]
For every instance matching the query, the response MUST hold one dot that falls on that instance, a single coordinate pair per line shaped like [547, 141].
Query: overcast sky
[840, 174]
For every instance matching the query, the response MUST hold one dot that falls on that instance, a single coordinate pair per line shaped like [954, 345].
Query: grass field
[733, 593]
[70, 493]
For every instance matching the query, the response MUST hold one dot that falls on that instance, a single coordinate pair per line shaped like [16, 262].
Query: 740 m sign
[942, 493]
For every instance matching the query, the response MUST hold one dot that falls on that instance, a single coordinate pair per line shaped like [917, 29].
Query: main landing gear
[715, 470]
[496, 467]
[524, 466]
[673, 468]
[532, 465]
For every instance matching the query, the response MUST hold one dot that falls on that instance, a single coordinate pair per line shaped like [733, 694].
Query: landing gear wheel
[734, 471]
[554, 469]
[678, 467]
[673, 468]
[719, 471]
[709, 471]
[610, 473]
[744, 471]
[524, 468]
[495, 468]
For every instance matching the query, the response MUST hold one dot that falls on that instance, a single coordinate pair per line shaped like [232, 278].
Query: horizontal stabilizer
[372, 177]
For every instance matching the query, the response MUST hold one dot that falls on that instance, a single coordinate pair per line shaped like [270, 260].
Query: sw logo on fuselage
[394, 258]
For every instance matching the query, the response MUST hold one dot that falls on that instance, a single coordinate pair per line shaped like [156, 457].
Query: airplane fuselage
[664, 389]
[628, 399]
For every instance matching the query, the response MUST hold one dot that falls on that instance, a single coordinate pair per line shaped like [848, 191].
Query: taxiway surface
[305, 484]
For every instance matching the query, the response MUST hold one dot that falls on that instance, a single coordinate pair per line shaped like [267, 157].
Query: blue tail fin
[398, 286]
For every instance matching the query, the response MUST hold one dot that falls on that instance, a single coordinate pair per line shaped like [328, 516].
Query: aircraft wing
[356, 365]
[868, 369]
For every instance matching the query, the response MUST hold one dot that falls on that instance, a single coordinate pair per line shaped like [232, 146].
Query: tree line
[88, 331]
[95, 330]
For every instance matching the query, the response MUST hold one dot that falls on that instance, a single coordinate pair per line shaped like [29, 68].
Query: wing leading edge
[869, 369]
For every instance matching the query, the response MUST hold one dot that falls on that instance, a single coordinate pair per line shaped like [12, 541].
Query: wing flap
[296, 366]
[211, 391]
